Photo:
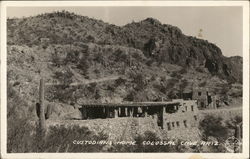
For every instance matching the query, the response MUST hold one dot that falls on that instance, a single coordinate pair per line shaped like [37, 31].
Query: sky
[222, 26]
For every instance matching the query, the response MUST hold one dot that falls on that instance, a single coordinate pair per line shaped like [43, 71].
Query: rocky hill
[151, 60]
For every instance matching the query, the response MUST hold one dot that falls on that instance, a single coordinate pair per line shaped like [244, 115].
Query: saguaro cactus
[42, 122]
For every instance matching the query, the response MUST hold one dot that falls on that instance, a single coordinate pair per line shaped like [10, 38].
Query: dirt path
[221, 109]
[85, 82]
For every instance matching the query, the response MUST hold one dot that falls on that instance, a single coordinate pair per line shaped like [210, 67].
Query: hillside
[150, 61]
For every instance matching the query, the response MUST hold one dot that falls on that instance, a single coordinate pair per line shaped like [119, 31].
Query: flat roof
[132, 104]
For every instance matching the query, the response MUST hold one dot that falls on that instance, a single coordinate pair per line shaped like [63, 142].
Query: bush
[119, 81]
[64, 77]
[18, 129]
[84, 65]
[72, 57]
[183, 71]
[233, 123]
[171, 83]
[130, 96]
[213, 129]
[212, 126]
[199, 69]
[203, 84]
[57, 59]
[139, 80]
[176, 75]
[63, 140]
[62, 93]
[57, 139]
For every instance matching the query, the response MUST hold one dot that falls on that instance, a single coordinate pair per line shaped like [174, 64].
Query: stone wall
[117, 129]
[126, 128]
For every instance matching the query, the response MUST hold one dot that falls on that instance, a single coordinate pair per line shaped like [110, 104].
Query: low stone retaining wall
[115, 128]
[126, 128]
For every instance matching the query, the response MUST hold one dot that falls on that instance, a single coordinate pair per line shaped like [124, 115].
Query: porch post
[116, 112]
[126, 111]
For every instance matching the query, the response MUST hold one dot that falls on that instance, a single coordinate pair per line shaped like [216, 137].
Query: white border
[3, 140]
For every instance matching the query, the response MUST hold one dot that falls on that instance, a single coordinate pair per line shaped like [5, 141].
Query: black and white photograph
[134, 78]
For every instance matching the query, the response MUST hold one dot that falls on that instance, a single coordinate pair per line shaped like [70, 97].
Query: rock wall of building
[201, 96]
[184, 122]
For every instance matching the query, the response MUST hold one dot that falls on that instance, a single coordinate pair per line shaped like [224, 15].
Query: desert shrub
[92, 87]
[138, 56]
[97, 94]
[84, 65]
[176, 75]
[56, 139]
[199, 69]
[119, 81]
[138, 79]
[97, 71]
[159, 87]
[120, 55]
[56, 59]
[236, 94]
[166, 85]
[98, 57]
[64, 77]
[171, 83]
[212, 126]
[90, 38]
[72, 57]
[172, 94]
[150, 61]
[62, 93]
[202, 84]
[18, 128]
[183, 84]
[130, 96]
[111, 88]
[183, 71]
[64, 139]
[233, 123]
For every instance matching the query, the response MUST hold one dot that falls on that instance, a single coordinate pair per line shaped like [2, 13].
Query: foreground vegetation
[25, 136]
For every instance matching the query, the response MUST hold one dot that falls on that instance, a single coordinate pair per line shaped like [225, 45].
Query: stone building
[169, 115]
[205, 99]
[185, 115]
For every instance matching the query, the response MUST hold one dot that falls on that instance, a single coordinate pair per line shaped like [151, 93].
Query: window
[176, 107]
[186, 108]
[195, 117]
[185, 123]
[177, 124]
[173, 124]
[169, 126]
[202, 105]
[192, 107]
[199, 93]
